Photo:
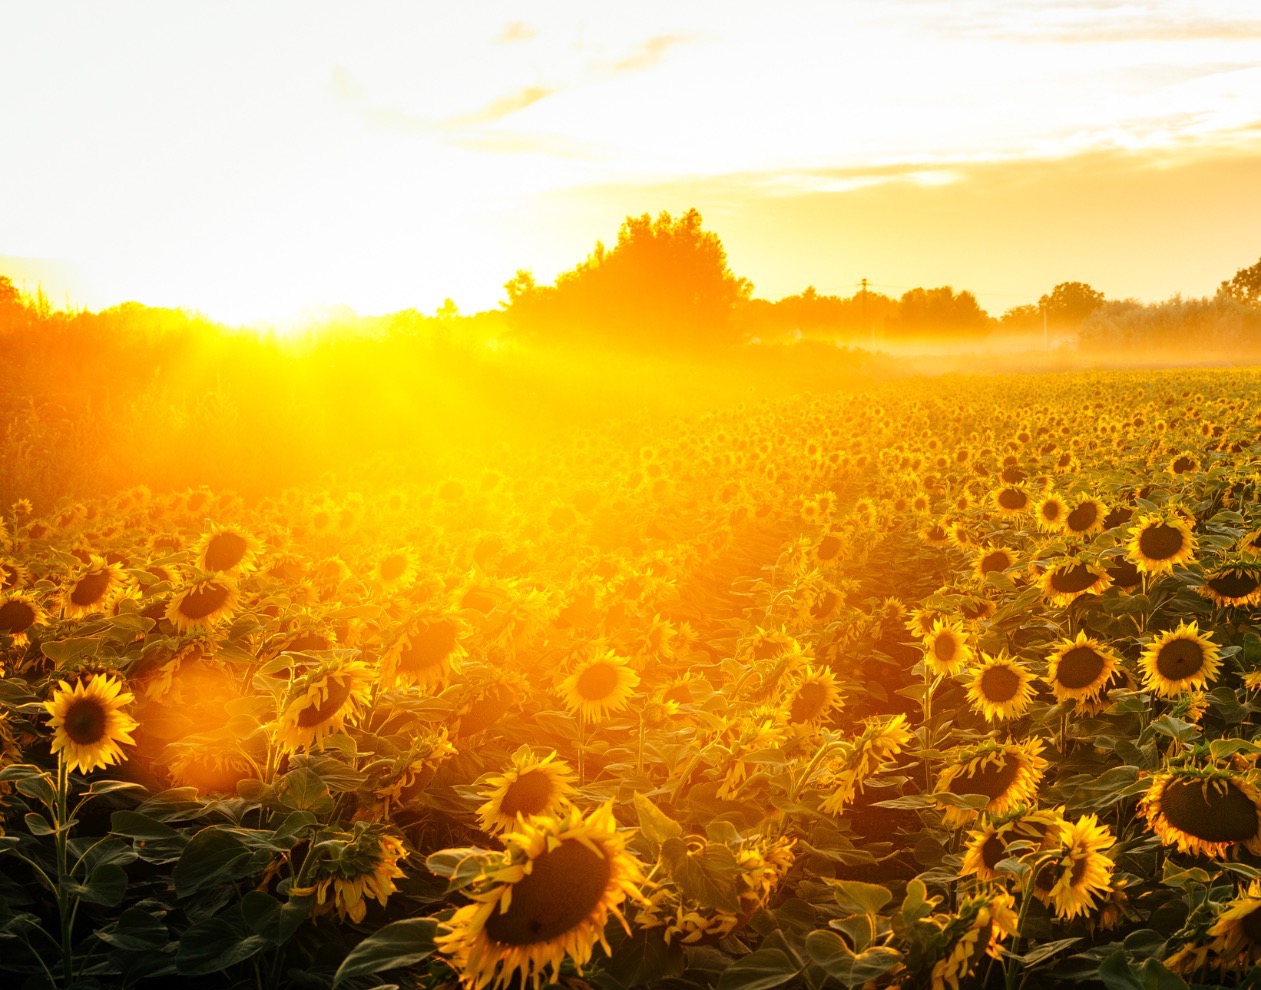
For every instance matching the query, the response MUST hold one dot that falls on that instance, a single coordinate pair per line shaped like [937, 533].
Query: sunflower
[599, 685]
[425, 649]
[987, 847]
[1236, 931]
[1001, 688]
[529, 787]
[1234, 586]
[18, 615]
[321, 701]
[94, 590]
[88, 722]
[946, 649]
[1007, 774]
[212, 770]
[1082, 871]
[814, 696]
[843, 777]
[1180, 660]
[1068, 579]
[1079, 668]
[934, 534]
[1183, 463]
[226, 550]
[975, 929]
[202, 604]
[355, 866]
[1087, 517]
[13, 575]
[1125, 574]
[1012, 501]
[1050, 513]
[1158, 543]
[993, 560]
[1205, 812]
[396, 569]
[549, 898]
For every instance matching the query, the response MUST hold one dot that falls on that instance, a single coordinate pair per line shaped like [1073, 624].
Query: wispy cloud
[501, 107]
[650, 52]
[515, 32]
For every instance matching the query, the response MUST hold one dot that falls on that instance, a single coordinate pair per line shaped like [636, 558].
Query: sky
[252, 160]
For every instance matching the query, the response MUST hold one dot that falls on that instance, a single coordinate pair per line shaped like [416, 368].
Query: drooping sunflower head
[1079, 668]
[946, 648]
[1203, 811]
[355, 867]
[13, 575]
[1081, 872]
[1087, 517]
[1007, 774]
[201, 605]
[1180, 660]
[1050, 512]
[93, 589]
[1234, 586]
[813, 695]
[548, 899]
[970, 934]
[227, 550]
[321, 702]
[1183, 463]
[1236, 931]
[1068, 579]
[425, 649]
[88, 722]
[935, 534]
[1001, 688]
[601, 684]
[529, 787]
[19, 614]
[988, 846]
[1158, 543]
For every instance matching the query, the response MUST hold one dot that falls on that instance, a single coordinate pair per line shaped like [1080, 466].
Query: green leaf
[654, 823]
[106, 886]
[1156, 976]
[644, 959]
[135, 931]
[303, 790]
[68, 651]
[707, 876]
[274, 920]
[758, 971]
[37, 824]
[860, 898]
[403, 943]
[1116, 973]
[134, 825]
[830, 952]
[213, 856]
[213, 945]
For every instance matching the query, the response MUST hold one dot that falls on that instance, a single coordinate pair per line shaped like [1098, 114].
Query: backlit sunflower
[1206, 812]
[528, 787]
[1050, 512]
[549, 898]
[843, 777]
[424, 650]
[355, 867]
[971, 933]
[813, 695]
[987, 846]
[396, 569]
[993, 560]
[226, 550]
[1180, 660]
[1001, 688]
[1081, 872]
[1007, 774]
[321, 701]
[1079, 668]
[13, 575]
[934, 534]
[1012, 501]
[200, 605]
[88, 722]
[599, 685]
[18, 615]
[1237, 930]
[93, 589]
[946, 649]
[1183, 463]
[1087, 517]
[1158, 543]
[1068, 579]
[1233, 586]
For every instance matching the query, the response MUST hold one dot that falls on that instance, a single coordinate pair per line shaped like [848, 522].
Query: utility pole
[871, 327]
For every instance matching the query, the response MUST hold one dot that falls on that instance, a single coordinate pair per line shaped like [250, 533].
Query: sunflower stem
[1010, 969]
[63, 874]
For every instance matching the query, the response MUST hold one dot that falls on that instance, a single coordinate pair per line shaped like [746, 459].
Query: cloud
[515, 32]
[501, 107]
[650, 52]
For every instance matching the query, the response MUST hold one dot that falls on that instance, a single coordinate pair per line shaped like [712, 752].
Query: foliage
[1244, 286]
[1069, 303]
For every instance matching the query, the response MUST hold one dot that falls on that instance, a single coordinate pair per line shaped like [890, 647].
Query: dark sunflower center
[809, 702]
[90, 588]
[1079, 869]
[430, 644]
[824, 604]
[1180, 658]
[1208, 814]
[1235, 584]
[1083, 517]
[1182, 465]
[680, 693]
[999, 684]
[598, 682]
[16, 617]
[1012, 498]
[1079, 667]
[564, 888]
[1073, 578]
[1160, 542]
[478, 601]
[225, 551]
[486, 711]
[392, 567]
[829, 547]
[993, 780]
[307, 642]
[8, 577]
[994, 562]
[203, 601]
[936, 533]
[993, 850]
[85, 721]
[1251, 925]
[528, 794]
[945, 647]
[1050, 510]
[1125, 574]
[1012, 474]
[1117, 517]
[338, 690]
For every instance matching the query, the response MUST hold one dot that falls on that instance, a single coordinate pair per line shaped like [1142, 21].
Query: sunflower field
[942, 683]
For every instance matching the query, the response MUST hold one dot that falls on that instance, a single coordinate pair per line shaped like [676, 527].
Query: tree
[1245, 287]
[664, 284]
[13, 313]
[1069, 303]
[939, 312]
